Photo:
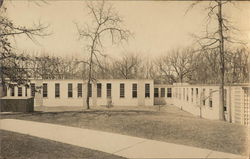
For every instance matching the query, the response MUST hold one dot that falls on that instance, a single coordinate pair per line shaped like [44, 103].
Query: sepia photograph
[124, 79]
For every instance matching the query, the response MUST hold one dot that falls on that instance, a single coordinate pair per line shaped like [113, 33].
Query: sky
[157, 26]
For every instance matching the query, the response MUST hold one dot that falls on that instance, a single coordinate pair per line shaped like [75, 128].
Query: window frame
[57, 90]
[19, 91]
[45, 91]
[147, 90]
[134, 90]
[109, 90]
[210, 98]
[12, 90]
[89, 90]
[99, 90]
[70, 90]
[122, 90]
[164, 92]
[79, 90]
[169, 92]
[156, 93]
[33, 89]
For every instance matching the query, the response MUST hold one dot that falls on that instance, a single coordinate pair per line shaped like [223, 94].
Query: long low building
[74, 92]
[203, 100]
[200, 100]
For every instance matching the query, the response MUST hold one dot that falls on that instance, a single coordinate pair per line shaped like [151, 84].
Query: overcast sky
[157, 26]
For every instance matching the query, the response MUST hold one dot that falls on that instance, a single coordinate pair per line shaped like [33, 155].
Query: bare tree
[128, 66]
[10, 60]
[215, 40]
[106, 23]
[183, 63]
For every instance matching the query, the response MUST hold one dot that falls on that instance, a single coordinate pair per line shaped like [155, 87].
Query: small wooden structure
[16, 104]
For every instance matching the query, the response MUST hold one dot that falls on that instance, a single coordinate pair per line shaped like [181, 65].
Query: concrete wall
[240, 99]
[168, 100]
[64, 100]
[193, 102]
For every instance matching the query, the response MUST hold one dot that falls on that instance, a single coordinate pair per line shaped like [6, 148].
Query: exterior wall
[236, 102]
[168, 100]
[64, 100]
[240, 104]
[237, 99]
[197, 103]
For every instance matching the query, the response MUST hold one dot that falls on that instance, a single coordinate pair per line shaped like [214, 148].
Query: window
[45, 90]
[169, 92]
[197, 96]
[90, 90]
[147, 90]
[162, 92]
[99, 90]
[192, 94]
[122, 90]
[57, 90]
[79, 90]
[184, 94]
[33, 89]
[156, 92]
[134, 90]
[26, 91]
[225, 100]
[187, 93]
[210, 98]
[70, 90]
[109, 87]
[19, 91]
[203, 96]
[180, 93]
[12, 90]
[175, 92]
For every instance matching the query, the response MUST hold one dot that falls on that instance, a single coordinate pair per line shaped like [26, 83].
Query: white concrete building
[203, 100]
[74, 92]
[200, 100]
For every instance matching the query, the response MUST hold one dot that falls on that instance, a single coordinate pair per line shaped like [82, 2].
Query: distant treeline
[179, 65]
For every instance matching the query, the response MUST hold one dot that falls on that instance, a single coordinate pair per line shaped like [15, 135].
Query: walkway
[121, 145]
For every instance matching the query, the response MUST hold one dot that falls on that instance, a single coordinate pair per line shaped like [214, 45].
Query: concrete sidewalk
[121, 145]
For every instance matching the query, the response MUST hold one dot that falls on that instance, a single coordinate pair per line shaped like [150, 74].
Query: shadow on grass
[74, 113]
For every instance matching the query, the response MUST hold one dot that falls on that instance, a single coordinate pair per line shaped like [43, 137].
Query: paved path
[121, 145]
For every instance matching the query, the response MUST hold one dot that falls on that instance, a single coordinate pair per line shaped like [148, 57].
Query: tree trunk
[222, 61]
[89, 79]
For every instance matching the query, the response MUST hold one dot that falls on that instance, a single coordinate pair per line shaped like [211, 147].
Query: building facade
[203, 100]
[200, 100]
[74, 92]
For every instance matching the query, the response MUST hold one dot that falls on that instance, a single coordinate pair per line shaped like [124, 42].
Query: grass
[19, 146]
[170, 125]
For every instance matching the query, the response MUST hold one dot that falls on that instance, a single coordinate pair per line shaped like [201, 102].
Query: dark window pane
[57, 90]
[33, 89]
[45, 90]
[169, 92]
[134, 90]
[90, 90]
[109, 87]
[19, 91]
[99, 90]
[70, 90]
[147, 90]
[162, 92]
[156, 92]
[122, 90]
[79, 90]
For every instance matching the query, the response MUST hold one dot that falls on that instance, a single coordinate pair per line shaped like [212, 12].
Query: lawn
[170, 125]
[18, 146]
